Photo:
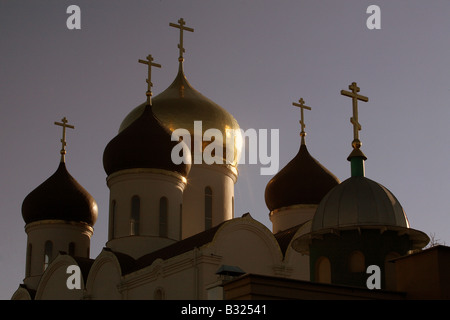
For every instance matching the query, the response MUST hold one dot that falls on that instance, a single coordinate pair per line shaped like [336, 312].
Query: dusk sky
[253, 58]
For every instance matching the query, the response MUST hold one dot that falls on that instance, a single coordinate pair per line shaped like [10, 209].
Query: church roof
[85, 265]
[146, 143]
[129, 264]
[31, 292]
[284, 237]
[178, 106]
[60, 197]
[179, 247]
[359, 201]
[126, 262]
[302, 181]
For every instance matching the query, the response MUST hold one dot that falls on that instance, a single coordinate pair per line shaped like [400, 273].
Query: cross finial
[302, 106]
[150, 64]
[182, 28]
[64, 125]
[354, 119]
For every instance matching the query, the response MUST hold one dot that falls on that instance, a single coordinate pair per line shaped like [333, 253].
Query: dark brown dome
[60, 197]
[145, 143]
[302, 181]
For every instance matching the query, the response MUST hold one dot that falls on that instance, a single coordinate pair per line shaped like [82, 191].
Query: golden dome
[180, 105]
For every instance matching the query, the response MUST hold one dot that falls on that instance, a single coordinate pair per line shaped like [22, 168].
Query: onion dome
[145, 143]
[60, 197]
[302, 181]
[180, 105]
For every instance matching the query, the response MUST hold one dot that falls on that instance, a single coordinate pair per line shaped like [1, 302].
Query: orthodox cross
[64, 125]
[302, 106]
[354, 119]
[150, 64]
[182, 28]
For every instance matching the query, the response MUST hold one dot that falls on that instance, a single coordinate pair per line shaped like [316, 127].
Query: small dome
[145, 143]
[60, 197]
[180, 105]
[359, 201]
[302, 181]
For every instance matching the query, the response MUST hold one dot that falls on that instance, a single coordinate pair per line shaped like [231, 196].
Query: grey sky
[254, 58]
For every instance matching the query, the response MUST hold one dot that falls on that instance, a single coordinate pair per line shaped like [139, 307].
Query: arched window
[163, 220]
[112, 219]
[135, 215]
[72, 249]
[48, 253]
[208, 208]
[323, 270]
[28, 267]
[356, 262]
[159, 294]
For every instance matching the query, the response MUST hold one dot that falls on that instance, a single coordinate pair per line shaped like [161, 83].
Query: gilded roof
[180, 105]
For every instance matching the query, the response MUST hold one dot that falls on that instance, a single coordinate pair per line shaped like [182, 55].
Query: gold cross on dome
[64, 125]
[182, 28]
[150, 64]
[354, 119]
[302, 106]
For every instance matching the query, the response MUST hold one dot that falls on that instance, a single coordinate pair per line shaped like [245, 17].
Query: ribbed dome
[302, 181]
[359, 201]
[60, 197]
[180, 105]
[145, 143]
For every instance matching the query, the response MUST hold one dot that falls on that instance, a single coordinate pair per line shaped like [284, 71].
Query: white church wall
[248, 244]
[221, 180]
[287, 217]
[53, 283]
[104, 278]
[61, 234]
[297, 262]
[181, 277]
[150, 185]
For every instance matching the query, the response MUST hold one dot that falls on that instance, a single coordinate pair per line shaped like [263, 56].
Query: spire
[150, 64]
[356, 157]
[64, 125]
[181, 45]
[302, 106]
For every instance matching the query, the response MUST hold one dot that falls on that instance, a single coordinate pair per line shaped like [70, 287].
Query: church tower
[358, 224]
[294, 193]
[146, 186]
[59, 216]
[208, 198]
